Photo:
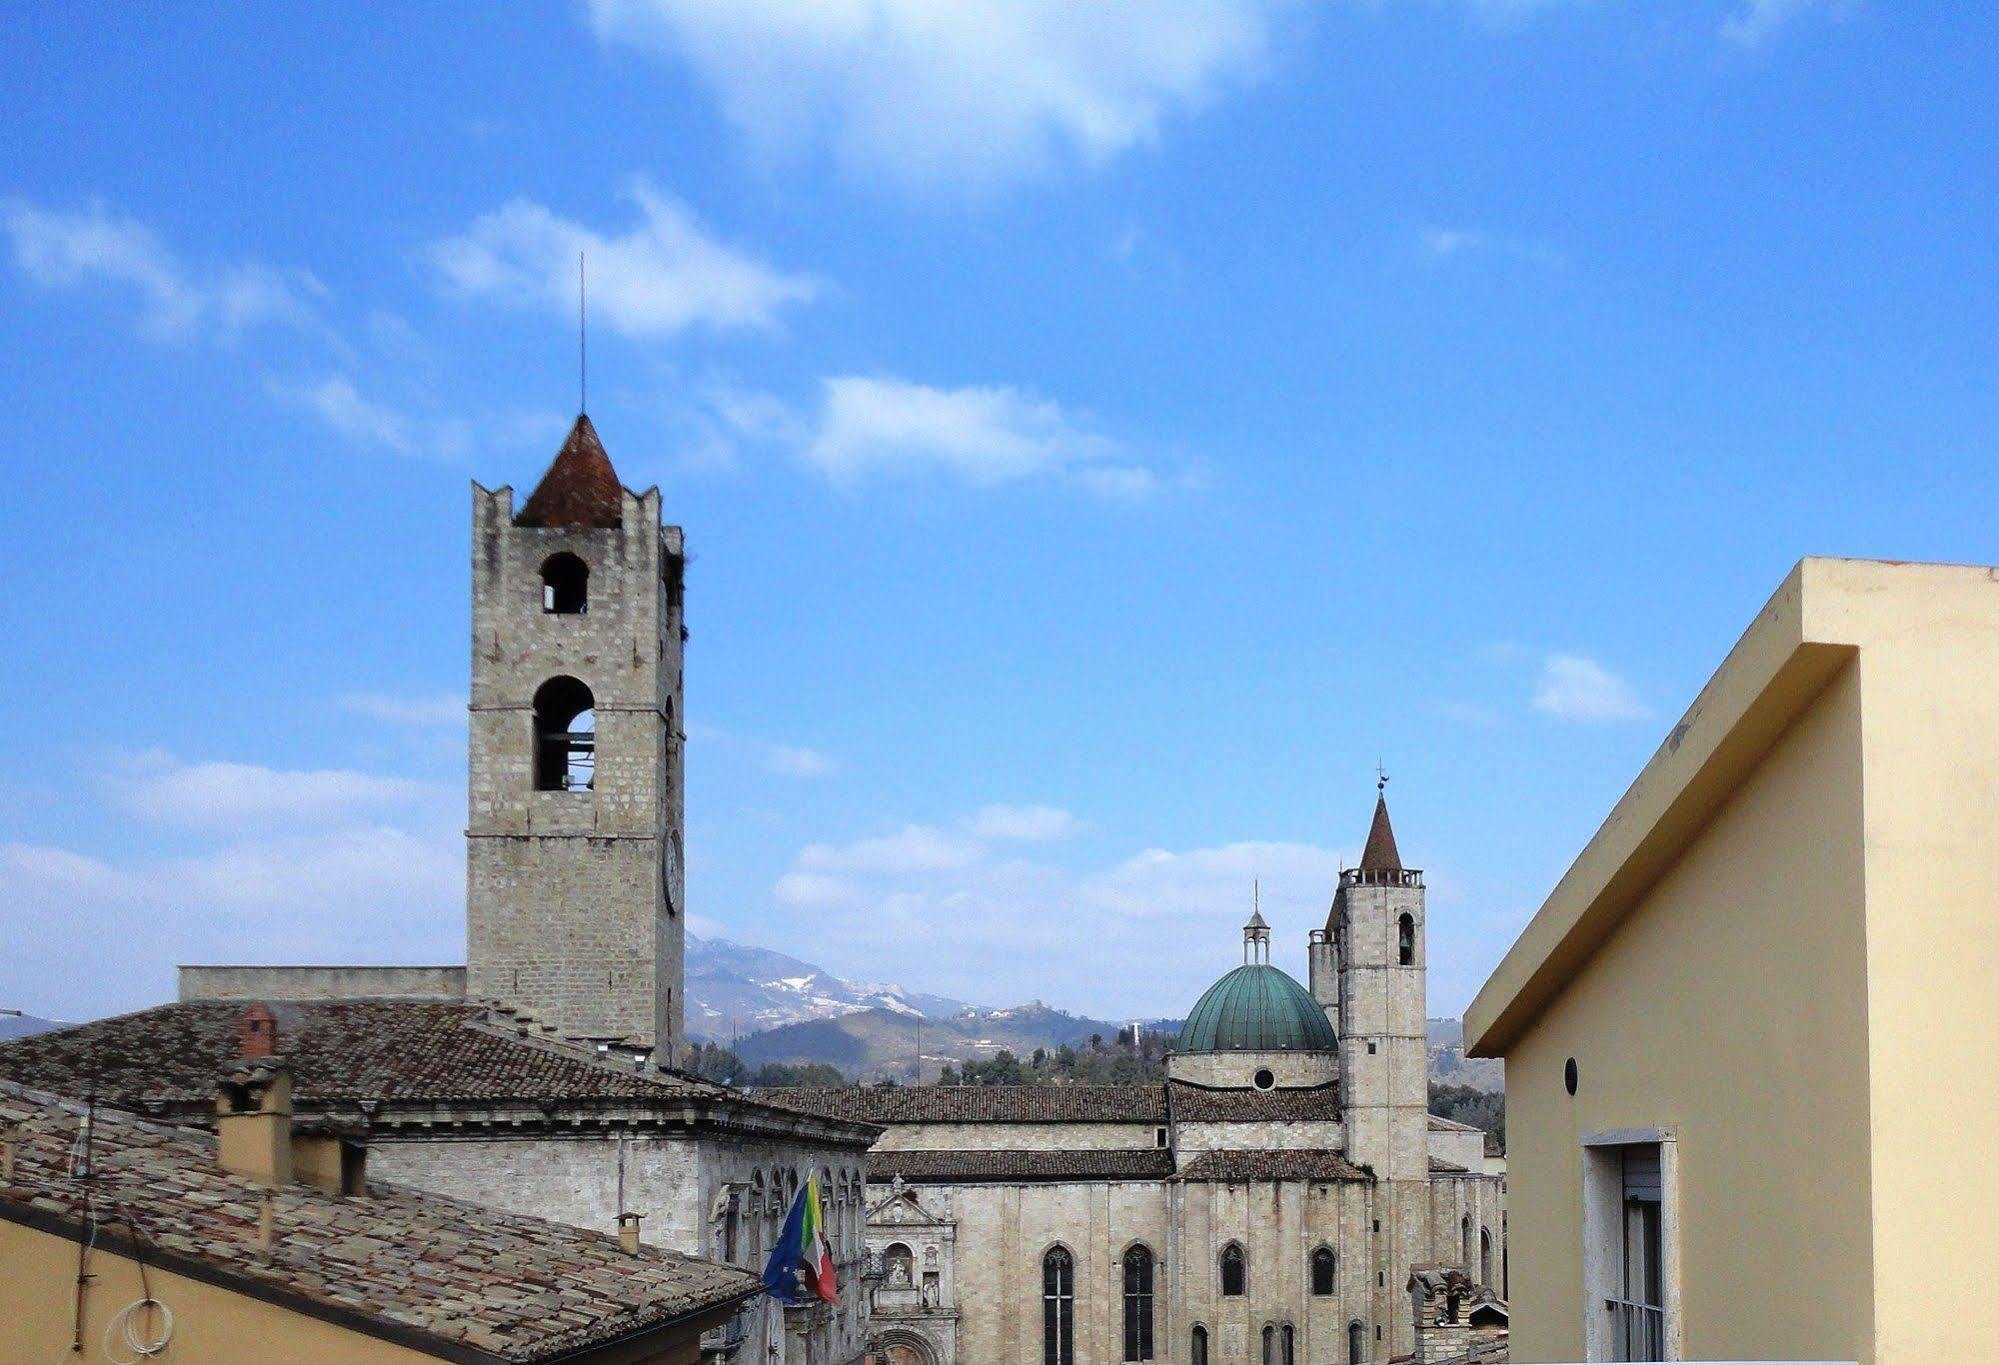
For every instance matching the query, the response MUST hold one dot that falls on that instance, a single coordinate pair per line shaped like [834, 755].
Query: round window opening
[1265, 1079]
[1569, 1075]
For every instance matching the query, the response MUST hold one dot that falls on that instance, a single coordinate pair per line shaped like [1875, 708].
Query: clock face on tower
[672, 870]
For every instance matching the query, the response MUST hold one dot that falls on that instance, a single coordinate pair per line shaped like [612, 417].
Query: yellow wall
[1784, 944]
[1745, 961]
[211, 1325]
[1931, 682]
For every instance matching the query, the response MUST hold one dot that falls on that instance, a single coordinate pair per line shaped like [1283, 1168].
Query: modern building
[1265, 1205]
[1752, 1036]
[123, 1239]
[539, 1077]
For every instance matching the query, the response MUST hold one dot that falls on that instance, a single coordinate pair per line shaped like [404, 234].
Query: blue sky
[1102, 436]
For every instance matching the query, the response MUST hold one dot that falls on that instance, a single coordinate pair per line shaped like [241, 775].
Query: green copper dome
[1257, 1008]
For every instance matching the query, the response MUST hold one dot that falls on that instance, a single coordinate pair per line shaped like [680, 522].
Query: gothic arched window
[1058, 1307]
[1286, 1345]
[565, 737]
[1235, 1275]
[565, 585]
[1199, 1350]
[1485, 1256]
[1405, 940]
[1356, 1343]
[1325, 1272]
[1138, 1304]
[1269, 1345]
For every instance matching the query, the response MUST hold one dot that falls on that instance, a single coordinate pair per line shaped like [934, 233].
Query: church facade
[1273, 1202]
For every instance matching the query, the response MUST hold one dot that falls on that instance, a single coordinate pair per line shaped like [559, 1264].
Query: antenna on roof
[582, 339]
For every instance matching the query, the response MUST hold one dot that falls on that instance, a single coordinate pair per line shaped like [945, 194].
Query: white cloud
[336, 402]
[913, 848]
[89, 936]
[58, 249]
[662, 276]
[785, 760]
[279, 866]
[961, 909]
[982, 436]
[1448, 243]
[437, 708]
[970, 93]
[1024, 824]
[1757, 21]
[791, 761]
[226, 796]
[1295, 880]
[1578, 688]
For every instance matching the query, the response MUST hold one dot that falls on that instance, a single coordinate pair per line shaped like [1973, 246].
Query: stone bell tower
[574, 886]
[1376, 932]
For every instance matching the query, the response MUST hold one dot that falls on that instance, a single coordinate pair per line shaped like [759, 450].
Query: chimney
[628, 1232]
[257, 1033]
[327, 1161]
[253, 1106]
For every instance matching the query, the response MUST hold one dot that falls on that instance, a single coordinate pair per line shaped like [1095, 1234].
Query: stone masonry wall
[574, 897]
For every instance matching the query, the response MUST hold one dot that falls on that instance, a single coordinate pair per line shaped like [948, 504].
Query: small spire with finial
[1256, 934]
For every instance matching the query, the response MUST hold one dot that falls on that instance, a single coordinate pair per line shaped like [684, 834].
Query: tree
[713, 1062]
[1484, 1109]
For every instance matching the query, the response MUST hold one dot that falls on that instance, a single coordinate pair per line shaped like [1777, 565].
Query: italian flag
[801, 1264]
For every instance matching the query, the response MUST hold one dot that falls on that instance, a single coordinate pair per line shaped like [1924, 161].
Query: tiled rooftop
[419, 1268]
[339, 1051]
[1272, 1165]
[1196, 1104]
[1017, 1166]
[580, 489]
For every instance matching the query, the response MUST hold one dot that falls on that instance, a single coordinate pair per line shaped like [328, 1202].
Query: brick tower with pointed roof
[573, 866]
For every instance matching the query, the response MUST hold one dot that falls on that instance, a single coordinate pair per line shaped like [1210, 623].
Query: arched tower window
[565, 737]
[1138, 1304]
[1286, 1345]
[1405, 940]
[565, 585]
[1485, 1256]
[1058, 1307]
[1199, 1347]
[1235, 1275]
[1269, 1345]
[1356, 1343]
[1325, 1272]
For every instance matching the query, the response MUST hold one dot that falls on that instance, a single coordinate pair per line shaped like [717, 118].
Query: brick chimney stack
[257, 1033]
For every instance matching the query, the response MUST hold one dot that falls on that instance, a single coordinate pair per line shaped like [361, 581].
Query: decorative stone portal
[900, 1348]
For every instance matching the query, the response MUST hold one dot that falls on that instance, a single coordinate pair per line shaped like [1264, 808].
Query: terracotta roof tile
[1195, 1104]
[580, 489]
[1019, 1166]
[338, 1051]
[394, 1261]
[1240, 1165]
[1380, 854]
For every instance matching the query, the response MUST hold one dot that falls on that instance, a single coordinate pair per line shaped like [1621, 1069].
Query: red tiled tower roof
[580, 489]
[1380, 855]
